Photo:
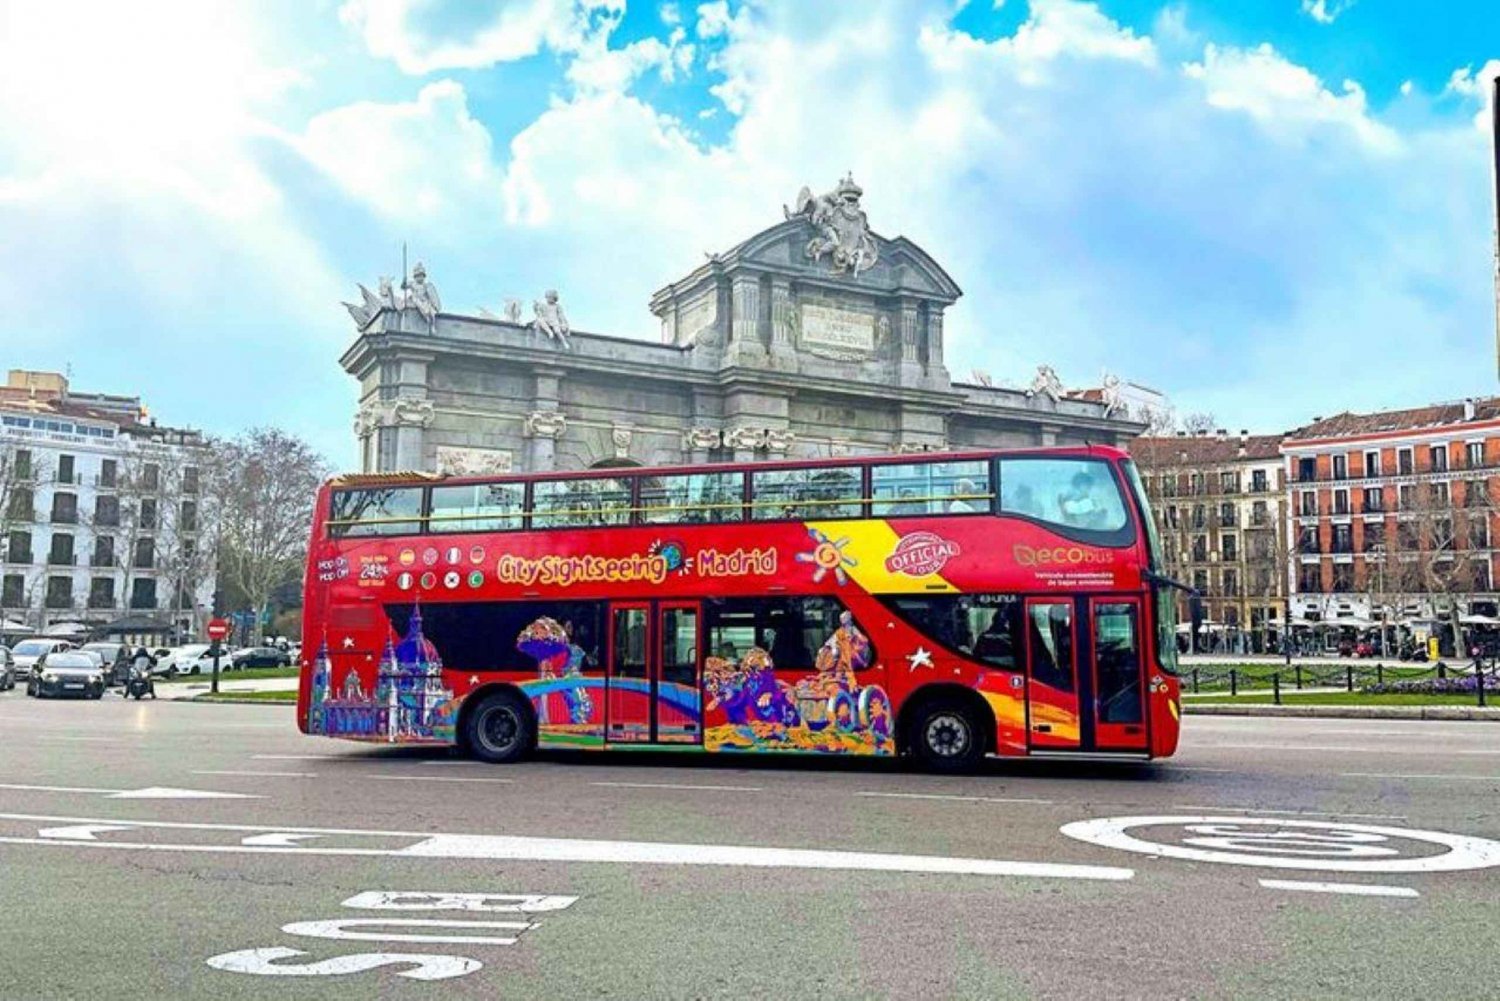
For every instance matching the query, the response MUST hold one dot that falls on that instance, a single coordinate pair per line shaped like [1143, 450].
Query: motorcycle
[140, 684]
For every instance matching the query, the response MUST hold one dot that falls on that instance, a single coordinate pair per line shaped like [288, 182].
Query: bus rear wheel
[500, 729]
[945, 737]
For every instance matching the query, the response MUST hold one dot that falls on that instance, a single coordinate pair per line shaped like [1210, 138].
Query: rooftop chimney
[1221, 434]
[1244, 433]
[1469, 409]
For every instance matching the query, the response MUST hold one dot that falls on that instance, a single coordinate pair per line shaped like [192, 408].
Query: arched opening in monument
[613, 463]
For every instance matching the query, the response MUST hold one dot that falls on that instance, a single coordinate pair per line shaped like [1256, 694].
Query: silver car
[67, 673]
[28, 652]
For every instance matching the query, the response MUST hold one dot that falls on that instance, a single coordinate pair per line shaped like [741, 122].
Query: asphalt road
[646, 876]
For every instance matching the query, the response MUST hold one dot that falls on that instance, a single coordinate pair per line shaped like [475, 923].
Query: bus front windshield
[1163, 599]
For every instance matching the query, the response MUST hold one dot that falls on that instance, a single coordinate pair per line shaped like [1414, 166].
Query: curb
[1347, 712]
[232, 701]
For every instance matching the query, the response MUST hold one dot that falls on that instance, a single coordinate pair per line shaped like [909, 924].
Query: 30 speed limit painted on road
[1289, 844]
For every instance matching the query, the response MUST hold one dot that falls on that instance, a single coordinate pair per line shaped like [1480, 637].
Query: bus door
[652, 686]
[1052, 701]
[1118, 682]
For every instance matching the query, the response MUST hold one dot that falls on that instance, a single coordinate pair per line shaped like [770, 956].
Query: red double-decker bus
[947, 607]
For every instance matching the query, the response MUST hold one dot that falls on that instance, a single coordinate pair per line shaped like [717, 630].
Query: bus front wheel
[500, 728]
[946, 738]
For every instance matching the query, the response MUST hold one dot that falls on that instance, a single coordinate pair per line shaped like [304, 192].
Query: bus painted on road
[945, 606]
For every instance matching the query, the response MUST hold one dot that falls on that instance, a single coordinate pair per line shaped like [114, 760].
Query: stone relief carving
[701, 438]
[619, 437]
[551, 320]
[366, 419]
[913, 447]
[841, 228]
[545, 424]
[418, 413]
[1046, 383]
[744, 438]
[466, 461]
[778, 439]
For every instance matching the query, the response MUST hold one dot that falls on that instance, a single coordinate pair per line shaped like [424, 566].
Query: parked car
[261, 656]
[67, 672]
[1364, 648]
[28, 652]
[7, 669]
[116, 661]
[195, 658]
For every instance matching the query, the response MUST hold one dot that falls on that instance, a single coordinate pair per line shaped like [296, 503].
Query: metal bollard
[1479, 680]
[1299, 677]
[1442, 670]
[1195, 681]
[1276, 687]
[1349, 677]
[1234, 682]
[1379, 673]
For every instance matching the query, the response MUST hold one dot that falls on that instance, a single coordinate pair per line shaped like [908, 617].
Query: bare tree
[264, 483]
[1443, 547]
[20, 480]
[1199, 422]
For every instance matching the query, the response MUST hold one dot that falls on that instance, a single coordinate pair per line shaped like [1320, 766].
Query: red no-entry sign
[218, 629]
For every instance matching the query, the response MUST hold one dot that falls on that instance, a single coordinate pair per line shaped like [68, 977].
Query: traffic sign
[218, 629]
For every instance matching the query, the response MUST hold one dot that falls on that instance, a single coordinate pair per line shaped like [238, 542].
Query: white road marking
[436, 778]
[79, 832]
[338, 928]
[167, 792]
[277, 840]
[268, 775]
[484, 903]
[1355, 889]
[1290, 813]
[535, 849]
[1388, 775]
[1299, 844]
[954, 799]
[677, 785]
[78, 789]
[263, 962]
[302, 757]
[1353, 749]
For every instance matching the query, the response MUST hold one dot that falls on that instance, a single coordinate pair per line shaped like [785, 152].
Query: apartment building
[1220, 504]
[101, 511]
[1394, 513]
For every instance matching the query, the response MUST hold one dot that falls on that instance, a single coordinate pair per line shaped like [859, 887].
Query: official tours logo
[1047, 556]
[920, 554]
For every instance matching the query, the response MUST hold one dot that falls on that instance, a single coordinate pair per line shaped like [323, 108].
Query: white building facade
[102, 514]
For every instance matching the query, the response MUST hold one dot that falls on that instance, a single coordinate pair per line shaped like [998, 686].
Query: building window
[22, 463]
[109, 472]
[190, 479]
[1200, 581]
[64, 509]
[1476, 493]
[102, 592]
[1258, 516]
[1442, 534]
[1372, 463]
[1308, 502]
[1229, 548]
[1407, 538]
[1231, 583]
[104, 551]
[61, 554]
[143, 593]
[1479, 532]
[65, 469]
[1172, 516]
[1343, 538]
[13, 591]
[1474, 454]
[1406, 497]
[187, 518]
[1341, 467]
[22, 504]
[1404, 464]
[1309, 579]
[1374, 537]
[59, 592]
[1228, 516]
[1229, 482]
[1341, 501]
[1481, 572]
[1200, 548]
[1373, 501]
[1343, 578]
[1307, 541]
[1307, 469]
[1195, 483]
[106, 510]
[18, 547]
[1437, 458]
[151, 476]
[1200, 516]
[1258, 481]
[145, 554]
[1440, 496]
[148, 513]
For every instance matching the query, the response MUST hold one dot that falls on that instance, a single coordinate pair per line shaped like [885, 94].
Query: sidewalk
[1346, 712]
[188, 689]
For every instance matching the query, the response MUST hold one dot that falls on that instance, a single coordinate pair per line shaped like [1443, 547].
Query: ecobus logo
[1043, 556]
[920, 554]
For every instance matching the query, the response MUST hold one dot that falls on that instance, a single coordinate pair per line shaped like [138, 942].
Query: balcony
[1309, 549]
[1368, 507]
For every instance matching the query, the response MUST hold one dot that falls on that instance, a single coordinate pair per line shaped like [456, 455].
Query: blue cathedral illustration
[409, 701]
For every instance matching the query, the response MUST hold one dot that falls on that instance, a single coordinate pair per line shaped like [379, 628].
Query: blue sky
[1269, 210]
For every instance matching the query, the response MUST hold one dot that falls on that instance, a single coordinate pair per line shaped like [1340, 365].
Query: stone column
[783, 323]
[910, 323]
[936, 370]
[542, 429]
[744, 321]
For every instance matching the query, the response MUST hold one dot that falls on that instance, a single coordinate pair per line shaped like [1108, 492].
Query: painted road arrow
[150, 792]
[278, 840]
[80, 832]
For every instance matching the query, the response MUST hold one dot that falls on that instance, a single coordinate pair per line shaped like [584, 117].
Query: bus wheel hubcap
[498, 729]
[947, 735]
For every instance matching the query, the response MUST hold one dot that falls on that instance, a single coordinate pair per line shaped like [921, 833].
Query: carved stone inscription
[454, 460]
[837, 330]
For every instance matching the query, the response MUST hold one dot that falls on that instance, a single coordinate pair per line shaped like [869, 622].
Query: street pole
[216, 651]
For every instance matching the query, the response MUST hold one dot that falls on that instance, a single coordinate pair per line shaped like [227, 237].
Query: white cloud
[1288, 100]
[601, 68]
[1325, 12]
[395, 30]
